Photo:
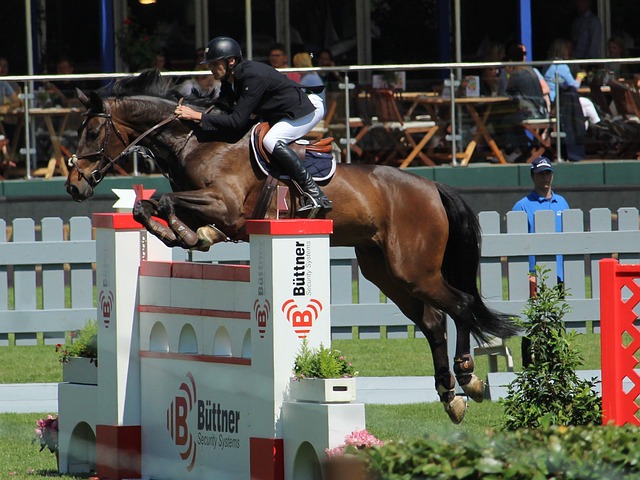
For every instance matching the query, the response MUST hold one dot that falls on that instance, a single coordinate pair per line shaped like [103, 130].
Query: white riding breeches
[288, 130]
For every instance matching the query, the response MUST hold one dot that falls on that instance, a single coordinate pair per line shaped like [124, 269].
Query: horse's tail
[461, 262]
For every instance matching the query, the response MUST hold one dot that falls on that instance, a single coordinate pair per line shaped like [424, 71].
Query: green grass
[20, 459]
[372, 358]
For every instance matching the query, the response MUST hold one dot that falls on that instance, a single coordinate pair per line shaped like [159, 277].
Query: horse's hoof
[456, 409]
[208, 236]
[474, 388]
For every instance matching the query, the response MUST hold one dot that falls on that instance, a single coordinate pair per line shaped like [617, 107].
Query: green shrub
[557, 452]
[548, 391]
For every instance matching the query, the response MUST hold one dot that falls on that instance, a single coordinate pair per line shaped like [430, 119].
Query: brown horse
[417, 240]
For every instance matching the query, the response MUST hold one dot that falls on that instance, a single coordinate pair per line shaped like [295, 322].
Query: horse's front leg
[143, 213]
[199, 204]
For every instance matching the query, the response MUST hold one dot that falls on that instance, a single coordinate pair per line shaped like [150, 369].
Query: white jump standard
[195, 360]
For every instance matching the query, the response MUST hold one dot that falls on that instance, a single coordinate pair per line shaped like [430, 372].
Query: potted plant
[79, 355]
[322, 375]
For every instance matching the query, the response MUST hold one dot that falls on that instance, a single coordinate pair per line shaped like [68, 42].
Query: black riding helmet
[222, 47]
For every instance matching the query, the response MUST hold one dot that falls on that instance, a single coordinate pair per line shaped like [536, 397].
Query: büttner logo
[302, 320]
[177, 415]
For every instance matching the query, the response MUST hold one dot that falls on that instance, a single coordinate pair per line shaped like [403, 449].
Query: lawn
[373, 358]
[20, 459]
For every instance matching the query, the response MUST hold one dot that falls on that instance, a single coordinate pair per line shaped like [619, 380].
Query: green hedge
[593, 452]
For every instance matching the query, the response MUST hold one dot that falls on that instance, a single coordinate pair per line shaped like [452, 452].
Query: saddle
[316, 156]
[320, 146]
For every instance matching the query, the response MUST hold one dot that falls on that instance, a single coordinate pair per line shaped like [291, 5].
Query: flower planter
[80, 370]
[323, 390]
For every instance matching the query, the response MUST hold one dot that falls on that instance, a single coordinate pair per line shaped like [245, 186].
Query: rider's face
[218, 69]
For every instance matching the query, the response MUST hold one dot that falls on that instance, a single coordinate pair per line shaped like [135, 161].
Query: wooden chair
[543, 131]
[624, 101]
[403, 134]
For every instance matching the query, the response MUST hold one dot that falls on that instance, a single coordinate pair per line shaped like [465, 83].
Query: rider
[253, 87]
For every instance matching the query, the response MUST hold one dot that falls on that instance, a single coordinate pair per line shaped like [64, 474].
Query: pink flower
[359, 439]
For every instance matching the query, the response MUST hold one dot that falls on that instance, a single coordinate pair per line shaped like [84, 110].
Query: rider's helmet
[222, 47]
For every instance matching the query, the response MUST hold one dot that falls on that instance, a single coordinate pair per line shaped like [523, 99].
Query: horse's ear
[95, 103]
[83, 98]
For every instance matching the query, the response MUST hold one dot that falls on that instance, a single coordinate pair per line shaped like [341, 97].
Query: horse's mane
[152, 83]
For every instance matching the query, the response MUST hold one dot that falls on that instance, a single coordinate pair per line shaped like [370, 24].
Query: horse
[415, 239]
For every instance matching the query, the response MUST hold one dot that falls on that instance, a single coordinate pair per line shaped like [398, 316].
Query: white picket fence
[56, 259]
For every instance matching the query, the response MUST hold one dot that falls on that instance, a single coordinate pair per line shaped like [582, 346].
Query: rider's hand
[186, 113]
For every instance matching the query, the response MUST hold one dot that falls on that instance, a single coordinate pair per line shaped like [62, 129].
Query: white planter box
[323, 390]
[80, 370]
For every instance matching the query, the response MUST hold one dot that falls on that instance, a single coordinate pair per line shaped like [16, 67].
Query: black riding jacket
[258, 89]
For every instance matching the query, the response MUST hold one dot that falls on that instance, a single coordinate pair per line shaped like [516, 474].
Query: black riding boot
[314, 201]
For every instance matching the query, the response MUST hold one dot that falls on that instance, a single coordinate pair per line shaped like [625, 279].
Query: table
[47, 115]
[470, 103]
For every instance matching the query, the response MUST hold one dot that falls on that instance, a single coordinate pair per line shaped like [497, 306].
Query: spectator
[586, 32]
[542, 197]
[490, 77]
[160, 62]
[199, 56]
[325, 59]
[309, 79]
[4, 71]
[617, 49]
[63, 92]
[560, 50]
[524, 87]
[8, 96]
[204, 84]
[278, 59]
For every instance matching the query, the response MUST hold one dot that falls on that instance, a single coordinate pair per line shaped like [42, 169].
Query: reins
[96, 176]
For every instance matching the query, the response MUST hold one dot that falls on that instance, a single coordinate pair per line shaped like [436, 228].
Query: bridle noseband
[106, 163]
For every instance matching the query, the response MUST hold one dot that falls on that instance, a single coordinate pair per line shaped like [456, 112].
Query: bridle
[106, 163]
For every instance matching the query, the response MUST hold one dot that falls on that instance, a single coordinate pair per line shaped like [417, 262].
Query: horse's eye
[93, 134]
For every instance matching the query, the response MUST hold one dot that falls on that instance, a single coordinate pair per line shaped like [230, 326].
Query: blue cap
[541, 164]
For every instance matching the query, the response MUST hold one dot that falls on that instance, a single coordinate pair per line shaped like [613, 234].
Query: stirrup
[311, 207]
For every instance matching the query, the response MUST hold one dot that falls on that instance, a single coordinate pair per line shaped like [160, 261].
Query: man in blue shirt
[541, 198]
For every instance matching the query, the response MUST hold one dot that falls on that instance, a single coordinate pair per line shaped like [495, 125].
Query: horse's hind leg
[431, 322]
[423, 279]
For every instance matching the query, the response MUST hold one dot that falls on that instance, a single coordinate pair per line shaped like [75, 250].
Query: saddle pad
[321, 166]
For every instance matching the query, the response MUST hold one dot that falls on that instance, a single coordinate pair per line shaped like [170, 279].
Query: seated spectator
[309, 79]
[324, 58]
[278, 59]
[63, 92]
[616, 49]
[4, 71]
[490, 77]
[204, 85]
[560, 50]
[574, 109]
[528, 102]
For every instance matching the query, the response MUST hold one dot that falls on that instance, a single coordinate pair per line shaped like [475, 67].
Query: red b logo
[302, 320]
[262, 315]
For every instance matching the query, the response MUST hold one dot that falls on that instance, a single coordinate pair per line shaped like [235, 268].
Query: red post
[620, 340]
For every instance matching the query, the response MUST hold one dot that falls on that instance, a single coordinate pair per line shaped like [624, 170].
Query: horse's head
[114, 126]
[100, 145]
